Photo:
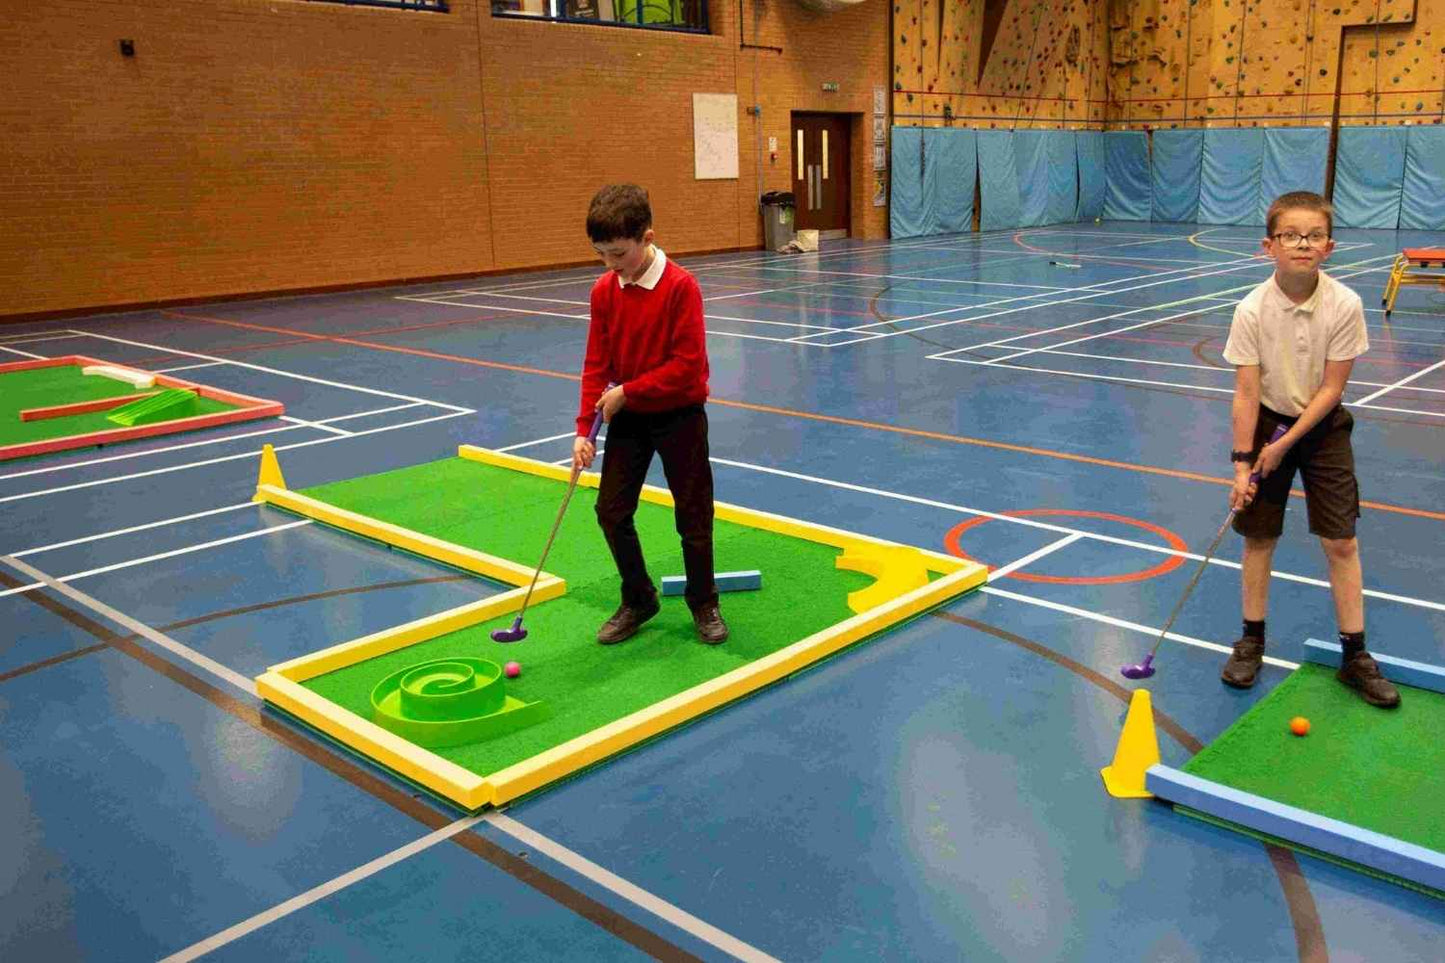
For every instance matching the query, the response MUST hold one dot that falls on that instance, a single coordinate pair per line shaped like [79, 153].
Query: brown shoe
[710, 625]
[1243, 666]
[625, 622]
[1362, 673]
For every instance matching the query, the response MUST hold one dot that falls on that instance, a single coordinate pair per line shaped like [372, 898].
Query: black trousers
[680, 437]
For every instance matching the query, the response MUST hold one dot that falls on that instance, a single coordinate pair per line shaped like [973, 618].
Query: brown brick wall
[269, 145]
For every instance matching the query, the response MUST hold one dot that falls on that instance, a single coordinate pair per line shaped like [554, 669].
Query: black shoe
[710, 625]
[1243, 666]
[1362, 673]
[625, 622]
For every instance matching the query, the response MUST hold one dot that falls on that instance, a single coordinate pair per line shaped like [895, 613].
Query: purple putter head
[515, 634]
[1143, 670]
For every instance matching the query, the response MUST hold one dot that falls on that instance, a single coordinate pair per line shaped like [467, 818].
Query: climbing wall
[1169, 63]
[1045, 67]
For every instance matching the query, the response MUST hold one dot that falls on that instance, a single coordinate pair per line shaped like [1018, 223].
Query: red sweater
[650, 342]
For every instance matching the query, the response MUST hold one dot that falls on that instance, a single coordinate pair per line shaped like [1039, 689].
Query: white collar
[652, 275]
[1308, 304]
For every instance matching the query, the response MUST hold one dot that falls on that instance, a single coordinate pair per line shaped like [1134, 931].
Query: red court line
[951, 540]
[806, 415]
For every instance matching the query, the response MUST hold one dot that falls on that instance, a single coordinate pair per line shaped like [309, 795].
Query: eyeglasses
[1293, 239]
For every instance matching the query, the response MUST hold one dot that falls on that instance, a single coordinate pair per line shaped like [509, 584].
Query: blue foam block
[1347, 841]
[726, 582]
[1404, 671]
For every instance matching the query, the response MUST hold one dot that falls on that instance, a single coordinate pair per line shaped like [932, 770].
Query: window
[688, 15]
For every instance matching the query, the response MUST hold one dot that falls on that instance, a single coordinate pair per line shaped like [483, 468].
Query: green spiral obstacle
[450, 702]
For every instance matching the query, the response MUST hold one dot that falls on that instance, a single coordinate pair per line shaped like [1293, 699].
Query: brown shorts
[1326, 464]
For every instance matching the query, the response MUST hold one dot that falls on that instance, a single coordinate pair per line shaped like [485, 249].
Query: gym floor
[1052, 402]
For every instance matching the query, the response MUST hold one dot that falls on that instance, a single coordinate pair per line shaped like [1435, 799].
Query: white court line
[801, 339]
[134, 528]
[634, 894]
[23, 354]
[317, 893]
[1065, 327]
[1401, 383]
[1051, 527]
[138, 628]
[537, 441]
[201, 444]
[189, 367]
[781, 324]
[1106, 334]
[48, 336]
[278, 372]
[315, 424]
[1148, 630]
[1091, 376]
[225, 458]
[187, 550]
[1198, 367]
[1048, 549]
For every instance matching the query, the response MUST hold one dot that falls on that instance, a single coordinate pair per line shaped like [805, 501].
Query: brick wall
[271, 145]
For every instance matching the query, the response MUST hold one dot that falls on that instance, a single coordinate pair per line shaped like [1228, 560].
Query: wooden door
[821, 167]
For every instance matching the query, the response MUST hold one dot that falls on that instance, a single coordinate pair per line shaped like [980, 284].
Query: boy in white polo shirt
[1293, 342]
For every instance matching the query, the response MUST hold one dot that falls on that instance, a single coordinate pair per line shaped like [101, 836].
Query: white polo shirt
[1291, 342]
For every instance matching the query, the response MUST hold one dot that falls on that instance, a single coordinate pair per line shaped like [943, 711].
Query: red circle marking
[951, 541]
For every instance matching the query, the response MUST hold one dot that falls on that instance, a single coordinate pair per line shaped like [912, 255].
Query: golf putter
[1145, 669]
[516, 633]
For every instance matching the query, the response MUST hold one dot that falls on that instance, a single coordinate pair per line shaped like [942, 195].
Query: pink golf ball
[513, 669]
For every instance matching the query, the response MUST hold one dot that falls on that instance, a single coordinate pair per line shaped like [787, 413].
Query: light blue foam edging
[726, 582]
[1366, 847]
[1421, 675]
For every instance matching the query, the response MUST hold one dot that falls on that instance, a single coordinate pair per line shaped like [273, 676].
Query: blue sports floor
[1052, 402]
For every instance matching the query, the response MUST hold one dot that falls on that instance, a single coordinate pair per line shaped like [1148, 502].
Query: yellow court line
[1194, 239]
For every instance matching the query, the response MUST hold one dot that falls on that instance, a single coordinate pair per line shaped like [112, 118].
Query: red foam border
[249, 409]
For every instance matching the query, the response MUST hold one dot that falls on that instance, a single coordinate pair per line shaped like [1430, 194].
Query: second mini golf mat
[1376, 769]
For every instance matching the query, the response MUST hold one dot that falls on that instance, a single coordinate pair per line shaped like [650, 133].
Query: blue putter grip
[1279, 431]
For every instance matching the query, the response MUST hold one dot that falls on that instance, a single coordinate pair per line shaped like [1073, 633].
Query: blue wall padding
[1032, 159]
[998, 181]
[1128, 193]
[905, 215]
[1090, 147]
[1294, 160]
[1229, 186]
[949, 174]
[1422, 200]
[1176, 162]
[1369, 174]
[1063, 169]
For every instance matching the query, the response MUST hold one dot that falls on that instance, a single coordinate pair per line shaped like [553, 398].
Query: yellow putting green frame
[282, 686]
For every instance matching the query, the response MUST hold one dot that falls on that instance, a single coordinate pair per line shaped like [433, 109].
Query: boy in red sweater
[647, 338]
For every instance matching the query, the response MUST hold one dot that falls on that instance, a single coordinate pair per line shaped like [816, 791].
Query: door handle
[811, 206]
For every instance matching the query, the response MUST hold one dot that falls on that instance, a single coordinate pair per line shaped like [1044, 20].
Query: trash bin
[778, 208]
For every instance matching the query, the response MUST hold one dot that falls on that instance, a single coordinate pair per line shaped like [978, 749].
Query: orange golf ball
[1300, 726]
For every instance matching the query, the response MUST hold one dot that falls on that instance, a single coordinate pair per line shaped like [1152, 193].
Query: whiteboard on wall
[715, 136]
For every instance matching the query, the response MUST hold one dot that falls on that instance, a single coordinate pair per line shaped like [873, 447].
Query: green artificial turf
[584, 684]
[64, 385]
[1382, 770]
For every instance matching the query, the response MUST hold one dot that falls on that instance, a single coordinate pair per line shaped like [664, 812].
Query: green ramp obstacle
[162, 406]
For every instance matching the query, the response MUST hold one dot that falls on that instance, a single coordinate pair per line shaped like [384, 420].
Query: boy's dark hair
[1299, 200]
[619, 211]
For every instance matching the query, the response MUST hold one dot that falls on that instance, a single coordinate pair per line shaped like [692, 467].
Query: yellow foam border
[281, 684]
